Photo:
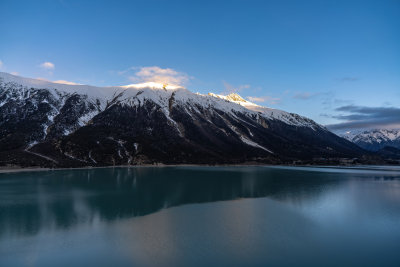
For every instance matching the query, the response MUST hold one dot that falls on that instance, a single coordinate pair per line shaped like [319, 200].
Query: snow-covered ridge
[375, 135]
[135, 94]
[375, 139]
[91, 91]
[235, 98]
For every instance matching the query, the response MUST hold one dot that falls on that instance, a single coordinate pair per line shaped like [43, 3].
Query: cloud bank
[366, 117]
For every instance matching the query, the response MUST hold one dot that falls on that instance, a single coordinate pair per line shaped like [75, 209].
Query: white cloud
[66, 82]
[42, 79]
[234, 89]
[269, 99]
[256, 99]
[47, 65]
[58, 81]
[1, 64]
[159, 75]
[14, 73]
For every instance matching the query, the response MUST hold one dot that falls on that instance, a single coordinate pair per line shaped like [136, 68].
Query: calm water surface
[199, 216]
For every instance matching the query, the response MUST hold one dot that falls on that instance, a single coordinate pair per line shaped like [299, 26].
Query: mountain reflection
[62, 199]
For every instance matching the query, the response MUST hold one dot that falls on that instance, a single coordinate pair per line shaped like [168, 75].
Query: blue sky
[314, 58]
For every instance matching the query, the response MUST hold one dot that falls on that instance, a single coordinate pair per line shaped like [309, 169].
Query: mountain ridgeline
[59, 125]
[375, 139]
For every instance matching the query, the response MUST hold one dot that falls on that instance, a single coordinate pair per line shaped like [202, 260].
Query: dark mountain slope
[58, 125]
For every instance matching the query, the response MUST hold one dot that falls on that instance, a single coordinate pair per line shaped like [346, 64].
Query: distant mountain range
[375, 140]
[50, 124]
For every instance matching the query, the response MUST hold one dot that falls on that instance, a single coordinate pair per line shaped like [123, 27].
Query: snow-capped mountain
[376, 139]
[44, 123]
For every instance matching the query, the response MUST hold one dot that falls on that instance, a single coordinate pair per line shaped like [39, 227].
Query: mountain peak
[234, 97]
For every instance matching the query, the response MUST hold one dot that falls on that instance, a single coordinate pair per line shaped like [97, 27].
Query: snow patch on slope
[254, 144]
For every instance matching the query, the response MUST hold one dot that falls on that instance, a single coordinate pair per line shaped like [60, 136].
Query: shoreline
[35, 169]
[28, 169]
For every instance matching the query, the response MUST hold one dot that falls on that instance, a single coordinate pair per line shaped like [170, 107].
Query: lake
[201, 216]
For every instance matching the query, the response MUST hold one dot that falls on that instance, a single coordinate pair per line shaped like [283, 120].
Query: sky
[337, 62]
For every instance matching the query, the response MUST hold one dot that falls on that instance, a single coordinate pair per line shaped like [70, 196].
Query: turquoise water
[197, 216]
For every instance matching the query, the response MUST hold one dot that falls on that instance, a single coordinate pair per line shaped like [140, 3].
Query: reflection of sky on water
[95, 216]
[61, 199]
